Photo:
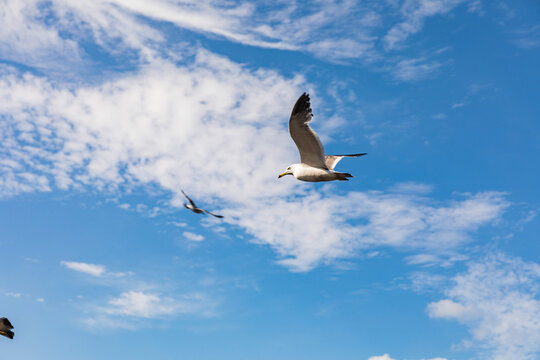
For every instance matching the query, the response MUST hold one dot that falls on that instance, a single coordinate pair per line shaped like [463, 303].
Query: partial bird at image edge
[6, 327]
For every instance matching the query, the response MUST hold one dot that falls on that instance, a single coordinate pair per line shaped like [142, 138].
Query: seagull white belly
[312, 174]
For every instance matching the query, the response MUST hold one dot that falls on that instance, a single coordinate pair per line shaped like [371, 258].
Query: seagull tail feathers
[8, 333]
[343, 176]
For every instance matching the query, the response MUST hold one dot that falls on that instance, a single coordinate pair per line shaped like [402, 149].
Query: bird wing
[308, 143]
[6, 324]
[187, 197]
[332, 160]
[208, 212]
[8, 333]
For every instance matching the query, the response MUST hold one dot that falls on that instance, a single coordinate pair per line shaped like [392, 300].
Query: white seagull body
[314, 166]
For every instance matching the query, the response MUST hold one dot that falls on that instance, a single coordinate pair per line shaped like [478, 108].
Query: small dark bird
[5, 328]
[191, 206]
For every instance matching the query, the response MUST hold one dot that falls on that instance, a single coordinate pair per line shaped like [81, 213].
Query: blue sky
[109, 108]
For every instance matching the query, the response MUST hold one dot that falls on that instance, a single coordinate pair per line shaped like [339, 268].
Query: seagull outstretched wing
[208, 212]
[332, 160]
[188, 199]
[307, 141]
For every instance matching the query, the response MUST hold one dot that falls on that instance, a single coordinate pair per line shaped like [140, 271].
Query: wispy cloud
[526, 37]
[27, 38]
[136, 299]
[362, 221]
[92, 269]
[114, 23]
[13, 294]
[498, 299]
[439, 116]
[414, 69]
[414, 13]
[192, 236]
[152, 305]
[55, 32]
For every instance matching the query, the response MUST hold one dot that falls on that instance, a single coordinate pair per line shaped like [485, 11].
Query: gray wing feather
[208, 212]
[332, 160]
[5, 324]
[308, 143]
[188, 199]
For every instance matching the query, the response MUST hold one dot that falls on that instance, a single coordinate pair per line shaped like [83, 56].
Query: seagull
[5, 328]
[191, 206]
[314, 165]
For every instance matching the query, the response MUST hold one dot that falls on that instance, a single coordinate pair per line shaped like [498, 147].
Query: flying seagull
[191, 206]
[314, 165]
[5, 328]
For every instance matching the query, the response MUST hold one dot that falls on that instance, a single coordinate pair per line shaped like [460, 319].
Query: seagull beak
[281, 175]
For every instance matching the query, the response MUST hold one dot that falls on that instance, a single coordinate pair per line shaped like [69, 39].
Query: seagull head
[289, 171]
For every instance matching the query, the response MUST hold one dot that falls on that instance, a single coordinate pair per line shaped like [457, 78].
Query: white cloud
[527, 37]
[421, 282]
[414, 13]
[90, 269]
[168, 125]
[446, 309]
[151, 305]
[335, 30]
[26, 38]
[93, 269]
[12, 294]
[414, 69]
[458, 105]
[411, 188]
[439, 116]
[123, 24]
[387, 357]
[192, 236]
[362, 221]
[498, 299]
[381, 357]
[40, 299]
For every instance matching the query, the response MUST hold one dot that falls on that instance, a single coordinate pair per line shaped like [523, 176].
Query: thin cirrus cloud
[111, 21]
[120, 26]
[151, 305]
[414, 13]
[498, 300]
[92, 269]
[129, 308]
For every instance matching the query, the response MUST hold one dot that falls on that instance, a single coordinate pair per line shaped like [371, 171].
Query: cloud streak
[92, 269]
[132, 31]
[151, 305]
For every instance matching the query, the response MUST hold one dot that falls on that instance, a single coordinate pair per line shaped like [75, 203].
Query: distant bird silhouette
[5, 328]
[191, 206]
